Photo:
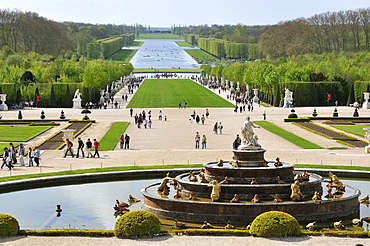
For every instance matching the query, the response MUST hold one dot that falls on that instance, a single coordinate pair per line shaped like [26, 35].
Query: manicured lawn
[96, 170]
[167, 93]
[123, 56]
[158, 36]
[20, 133]
[111, 138]
[135, 44]
[145, 70]
[301, 142]
[184, 44]
[202, 56]
[357, 130]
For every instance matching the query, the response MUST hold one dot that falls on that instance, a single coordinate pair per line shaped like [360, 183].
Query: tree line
[322, 33]
[306, 75]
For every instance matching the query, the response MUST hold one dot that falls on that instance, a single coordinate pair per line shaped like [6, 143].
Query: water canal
[162, 53]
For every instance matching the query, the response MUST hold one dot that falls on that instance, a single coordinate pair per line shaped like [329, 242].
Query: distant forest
[347, 30]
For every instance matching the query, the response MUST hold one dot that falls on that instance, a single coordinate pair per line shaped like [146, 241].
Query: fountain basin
[247, 191]
[244, 175]
[243, 213]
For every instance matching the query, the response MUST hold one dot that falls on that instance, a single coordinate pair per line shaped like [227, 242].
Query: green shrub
[137, 224]
[275, 224]
[9, 225]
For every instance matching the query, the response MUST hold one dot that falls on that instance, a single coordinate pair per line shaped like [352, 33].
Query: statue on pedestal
[248, 138]
[77, 99]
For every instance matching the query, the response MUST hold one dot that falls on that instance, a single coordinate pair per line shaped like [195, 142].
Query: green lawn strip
[183, 44]
[21, 133]
[147, 70]
[158, 36]
[168, 93]
[135, 44]
[96, 170]
[111, 137]
[332, 167]
[357, 130]
[301, 142]
[202, 56]
[124, 55]
[129, 168]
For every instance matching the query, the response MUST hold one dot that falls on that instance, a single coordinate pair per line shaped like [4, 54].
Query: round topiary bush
[275, 224]
[137, 224]
[9, 225]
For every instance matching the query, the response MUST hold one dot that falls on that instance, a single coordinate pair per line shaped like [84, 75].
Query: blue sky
[164, 13]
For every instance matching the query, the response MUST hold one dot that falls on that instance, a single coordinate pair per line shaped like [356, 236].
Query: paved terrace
[172, 141]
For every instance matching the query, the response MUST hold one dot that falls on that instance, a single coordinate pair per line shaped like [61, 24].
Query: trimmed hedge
[137, 224]
[9, 226]
[275, 224]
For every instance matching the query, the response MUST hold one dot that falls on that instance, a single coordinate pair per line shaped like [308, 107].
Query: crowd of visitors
[9, 157]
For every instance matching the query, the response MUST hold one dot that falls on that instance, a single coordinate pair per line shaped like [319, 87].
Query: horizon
[166, 13]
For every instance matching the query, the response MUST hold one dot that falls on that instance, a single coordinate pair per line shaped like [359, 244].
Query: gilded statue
[296, 194]
[216, 190]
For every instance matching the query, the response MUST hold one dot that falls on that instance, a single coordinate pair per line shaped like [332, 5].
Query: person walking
[96, 147]
[80, 147]
[150, 124]
[37, 156]
[264, 115]
[131, 112]
[197, 119]
[197, 140]
[88, 147]
[207, 112]
[21, 153]
[69, 146]
[30, 157]
[13, 153]
[215, 127]
[127, 141]
[220, 127]
[121, 141]
[5, 158]
[203, 119]
[160, 115]
[204, 142]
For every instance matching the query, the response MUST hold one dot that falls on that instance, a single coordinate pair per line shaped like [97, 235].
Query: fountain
[248, 185]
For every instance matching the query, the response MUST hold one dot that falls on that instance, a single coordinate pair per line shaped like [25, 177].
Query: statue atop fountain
[249, 140]
[249, 152]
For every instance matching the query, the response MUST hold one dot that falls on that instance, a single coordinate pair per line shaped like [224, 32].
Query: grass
[21, 133]
[357, 130]
[129, 168]
[124, 55]
[135, 44]
[145, 70]
[158, 36]
[301, 142]
[184, 44]
[96, 170]
[111, 137]
[332, 167]
[202, 56]
[167, 93]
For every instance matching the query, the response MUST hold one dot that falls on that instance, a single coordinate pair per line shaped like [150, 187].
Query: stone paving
[172, 141]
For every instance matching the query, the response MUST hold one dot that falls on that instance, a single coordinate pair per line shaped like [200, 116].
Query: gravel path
[185, 241]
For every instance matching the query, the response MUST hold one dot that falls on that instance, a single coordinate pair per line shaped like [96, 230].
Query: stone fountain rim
[146, 194]
[319, 179]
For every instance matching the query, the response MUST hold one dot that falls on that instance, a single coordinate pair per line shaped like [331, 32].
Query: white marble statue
[77, 99]
[288, 98]
[248, 134]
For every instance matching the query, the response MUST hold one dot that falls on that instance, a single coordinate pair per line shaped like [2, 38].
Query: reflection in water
[90, 206]
[87, 206]
[162, 53]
